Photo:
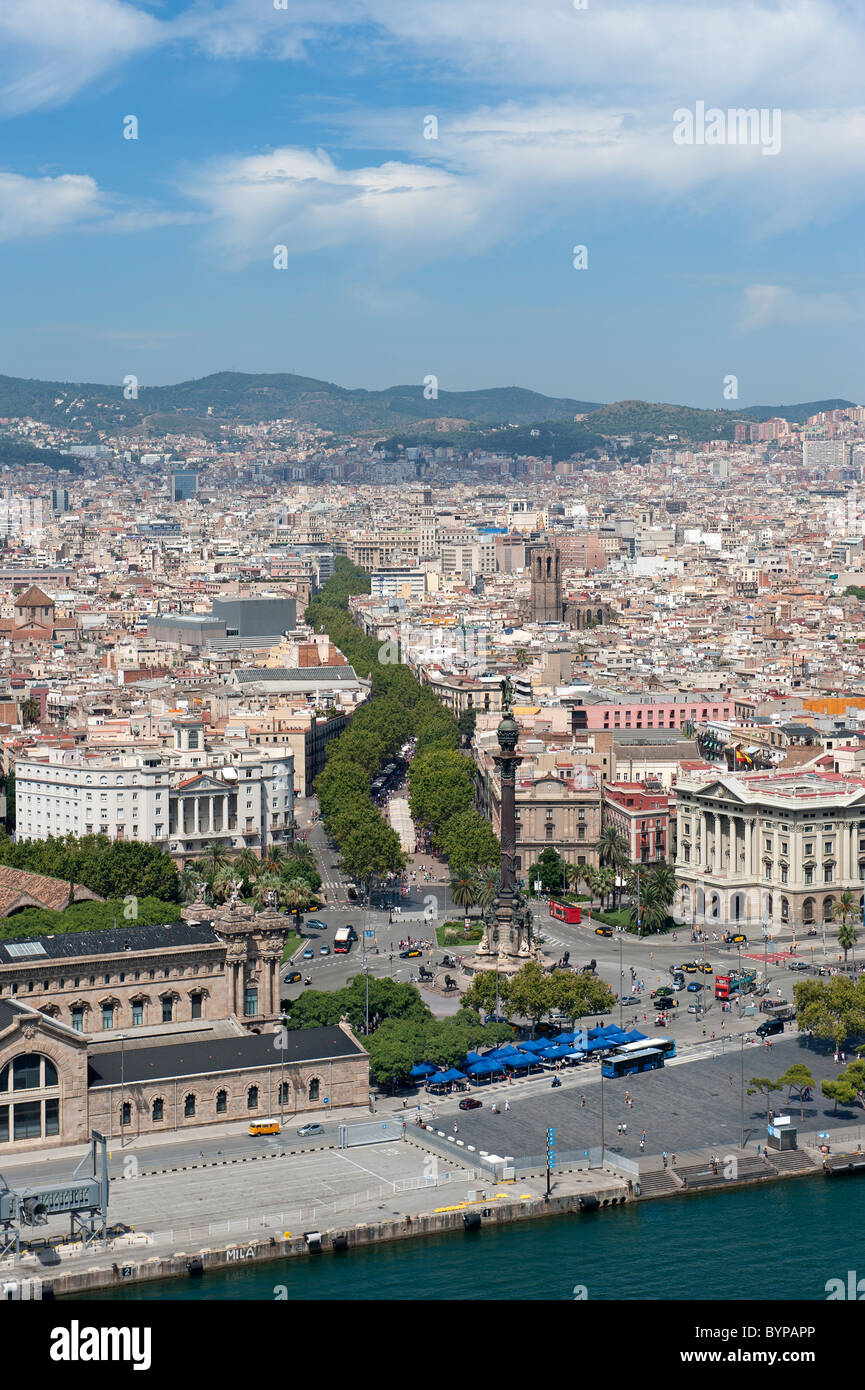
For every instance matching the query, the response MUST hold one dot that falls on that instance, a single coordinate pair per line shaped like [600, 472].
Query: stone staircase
[658, 1184]
[698, 1176]
[792, 1161]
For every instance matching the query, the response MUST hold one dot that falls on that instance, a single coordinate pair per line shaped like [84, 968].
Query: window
[28, 1072]
[809, 846]
[250, 1001]
[157, 1111]
[283, 1093]
[221, 1102]
[78, 1018]
[126, 1113]
[252, 1098]
[809, 874]
[827, 873]
[168, 1009]
[549, 830]
[137, 1015]
[314, 1087]
[196, 1005]
[189, 1108]
[107, 1016]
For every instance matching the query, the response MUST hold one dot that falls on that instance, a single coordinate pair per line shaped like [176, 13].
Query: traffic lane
[131, 1161]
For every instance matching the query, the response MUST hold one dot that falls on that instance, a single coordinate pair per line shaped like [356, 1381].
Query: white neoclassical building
[776, 846]
[183, 798]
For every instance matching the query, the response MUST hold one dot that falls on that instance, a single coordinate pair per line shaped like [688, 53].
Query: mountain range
[204, 404]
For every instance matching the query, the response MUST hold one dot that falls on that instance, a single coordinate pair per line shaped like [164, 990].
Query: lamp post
[742, 1089]
[122, 1080]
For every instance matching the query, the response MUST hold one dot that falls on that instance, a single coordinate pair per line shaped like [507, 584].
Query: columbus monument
[506, 944]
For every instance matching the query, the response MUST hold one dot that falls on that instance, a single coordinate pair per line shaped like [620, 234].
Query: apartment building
[642, 815]
[774, 846]
[184, 798]
[552, 811]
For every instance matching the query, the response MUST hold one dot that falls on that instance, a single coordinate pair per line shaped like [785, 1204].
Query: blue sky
[304, 127]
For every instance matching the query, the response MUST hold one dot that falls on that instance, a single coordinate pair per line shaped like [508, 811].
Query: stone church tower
[546, 585]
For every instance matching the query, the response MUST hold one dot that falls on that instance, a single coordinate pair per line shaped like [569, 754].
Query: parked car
[309, 953]
[470, 1103]
[315, 925]
[293, 977]
[306, 1131]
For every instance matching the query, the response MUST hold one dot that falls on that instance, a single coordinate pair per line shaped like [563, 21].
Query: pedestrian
[618, 1129]
[624, 1129]
[730, 1078]
[404, 1104]
[582, 1102]
[456, 1127]
[642, 1146]
[643, 1137]
[665, 1158]
[672, 1160]
[507, 1105]
[844, 1059]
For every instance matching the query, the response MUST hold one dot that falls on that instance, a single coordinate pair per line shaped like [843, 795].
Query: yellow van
[264, 1127]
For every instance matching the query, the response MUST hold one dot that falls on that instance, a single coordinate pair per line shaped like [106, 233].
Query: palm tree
[653, 910]
[844, 908]
[486, 887]
[223, 882]
[247, 863]
[31, 710]
[612, 850]
[274, 858]
[189, 882]
[464, 891]
[665, 882]
[606, 882]
[213, 858]
[297, 897]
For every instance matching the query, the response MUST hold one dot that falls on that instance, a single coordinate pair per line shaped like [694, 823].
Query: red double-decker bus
[564, 912]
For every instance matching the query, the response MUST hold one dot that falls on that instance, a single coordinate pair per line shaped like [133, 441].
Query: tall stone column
[196, 816]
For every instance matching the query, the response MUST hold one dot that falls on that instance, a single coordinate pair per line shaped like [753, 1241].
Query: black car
[409, 955]
[293, 977]
[769, 1026]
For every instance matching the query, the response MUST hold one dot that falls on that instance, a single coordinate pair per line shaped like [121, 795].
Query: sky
[429, 167]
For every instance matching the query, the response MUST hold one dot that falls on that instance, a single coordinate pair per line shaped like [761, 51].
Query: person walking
[643, 1137]
[582, 1102]
[507, 1105]
[730, 1078]
[665, 1157]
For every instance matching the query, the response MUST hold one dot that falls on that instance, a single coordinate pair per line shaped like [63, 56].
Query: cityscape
[432, 815]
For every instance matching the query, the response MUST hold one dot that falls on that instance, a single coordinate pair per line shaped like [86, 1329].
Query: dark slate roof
[67, 945]
[188, 1059]
[8, 1013]
[293, 673]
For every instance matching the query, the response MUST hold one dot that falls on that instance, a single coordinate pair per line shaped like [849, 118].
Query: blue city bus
[666, 1046]
[630, 1063]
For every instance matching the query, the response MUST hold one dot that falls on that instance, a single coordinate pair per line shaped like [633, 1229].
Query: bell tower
[546, 585]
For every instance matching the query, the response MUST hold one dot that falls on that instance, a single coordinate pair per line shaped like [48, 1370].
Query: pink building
[642, 816]
[645, 712]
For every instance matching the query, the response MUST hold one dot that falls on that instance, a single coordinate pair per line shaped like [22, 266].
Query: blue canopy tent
[521, 1060]
[535, 1045]
[422, 1069]
[564, 1037]
[508, 1050]
[444, 1078]
[633, 1037]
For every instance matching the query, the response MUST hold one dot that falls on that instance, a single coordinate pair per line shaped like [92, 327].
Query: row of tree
[533, 993]
[402, 1030]
[847, 1088]
[831, 1009]
[441, 798]
[398, 710]
[111, 868]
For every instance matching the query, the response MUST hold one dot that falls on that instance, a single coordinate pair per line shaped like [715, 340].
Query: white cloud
[36, 207]
[769, 306]
[50, 49]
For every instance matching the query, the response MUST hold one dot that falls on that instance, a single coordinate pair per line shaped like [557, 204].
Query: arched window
[157, 1113]
[828, 904]
[126, 1113]
[283, 1093]
[808, 911]
[29, 1072]
[221, 1102]
[252, 1098]
[189, 1107]
[314, 1088]
[785, 910]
